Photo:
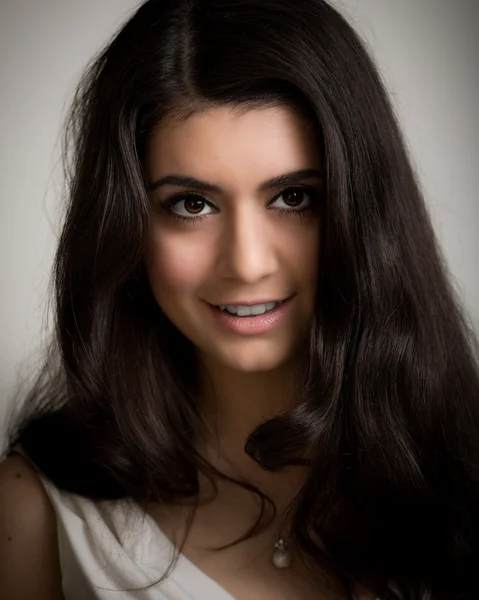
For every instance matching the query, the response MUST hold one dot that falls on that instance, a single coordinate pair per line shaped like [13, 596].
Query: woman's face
[233, 245]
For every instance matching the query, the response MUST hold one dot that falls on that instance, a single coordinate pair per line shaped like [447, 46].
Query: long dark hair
[389, 405]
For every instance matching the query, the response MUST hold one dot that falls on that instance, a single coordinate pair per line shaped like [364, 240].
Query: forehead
[234, 148]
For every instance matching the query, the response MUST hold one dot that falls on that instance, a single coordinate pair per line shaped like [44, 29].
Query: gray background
[427, 51]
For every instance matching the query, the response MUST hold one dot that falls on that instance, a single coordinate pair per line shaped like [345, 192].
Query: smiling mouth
[257, 303]
[252, 321]
[247, 310]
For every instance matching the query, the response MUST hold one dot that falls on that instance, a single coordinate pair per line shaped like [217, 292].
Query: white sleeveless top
[106, 548]
[109, 547]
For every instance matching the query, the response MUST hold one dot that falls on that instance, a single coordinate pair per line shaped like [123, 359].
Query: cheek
[174, 266]
[306, 252]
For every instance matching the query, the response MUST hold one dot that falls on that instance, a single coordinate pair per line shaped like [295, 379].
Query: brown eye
[187, 206]
[194, 205]
[298, 199]
[293, 197]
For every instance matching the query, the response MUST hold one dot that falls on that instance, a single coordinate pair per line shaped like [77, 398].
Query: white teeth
[245, 311]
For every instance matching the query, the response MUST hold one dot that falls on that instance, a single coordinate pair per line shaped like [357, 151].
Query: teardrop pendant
[282, 557]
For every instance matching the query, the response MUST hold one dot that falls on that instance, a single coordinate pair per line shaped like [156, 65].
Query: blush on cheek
[169, 274]
[175, 270]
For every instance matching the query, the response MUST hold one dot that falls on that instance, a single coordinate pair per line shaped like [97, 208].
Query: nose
[247, 252]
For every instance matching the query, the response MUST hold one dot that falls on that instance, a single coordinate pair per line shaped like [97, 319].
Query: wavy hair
[389, 404]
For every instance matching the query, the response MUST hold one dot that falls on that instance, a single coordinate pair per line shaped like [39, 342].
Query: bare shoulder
[29, 562]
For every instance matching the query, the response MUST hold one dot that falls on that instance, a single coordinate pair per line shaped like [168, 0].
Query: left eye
[293, 197]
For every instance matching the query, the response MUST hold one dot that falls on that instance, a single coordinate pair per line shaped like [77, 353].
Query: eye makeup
[313, 193]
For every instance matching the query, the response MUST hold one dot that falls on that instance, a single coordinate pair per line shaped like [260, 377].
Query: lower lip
[254, 324]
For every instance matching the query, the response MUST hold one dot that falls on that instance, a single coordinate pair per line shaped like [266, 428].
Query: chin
[251, 361]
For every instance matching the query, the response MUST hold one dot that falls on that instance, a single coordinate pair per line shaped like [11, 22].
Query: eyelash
[168, 204]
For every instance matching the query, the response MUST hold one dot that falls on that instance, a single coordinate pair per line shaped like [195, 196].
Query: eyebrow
[275, 182]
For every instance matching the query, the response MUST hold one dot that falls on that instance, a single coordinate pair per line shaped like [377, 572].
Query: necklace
[282, 557]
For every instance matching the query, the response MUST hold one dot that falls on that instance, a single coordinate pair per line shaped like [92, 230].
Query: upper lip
[250, 302]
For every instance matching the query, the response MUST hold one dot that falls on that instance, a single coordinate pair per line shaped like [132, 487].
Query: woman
[257, 350]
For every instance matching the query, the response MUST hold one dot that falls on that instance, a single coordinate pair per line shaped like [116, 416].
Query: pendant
[282, 557]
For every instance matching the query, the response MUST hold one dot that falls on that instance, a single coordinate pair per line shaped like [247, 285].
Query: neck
[235, 402]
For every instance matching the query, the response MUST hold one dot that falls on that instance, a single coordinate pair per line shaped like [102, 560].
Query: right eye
[190, 207]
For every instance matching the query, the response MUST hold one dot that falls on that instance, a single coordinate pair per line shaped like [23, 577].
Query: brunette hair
[388, 407]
